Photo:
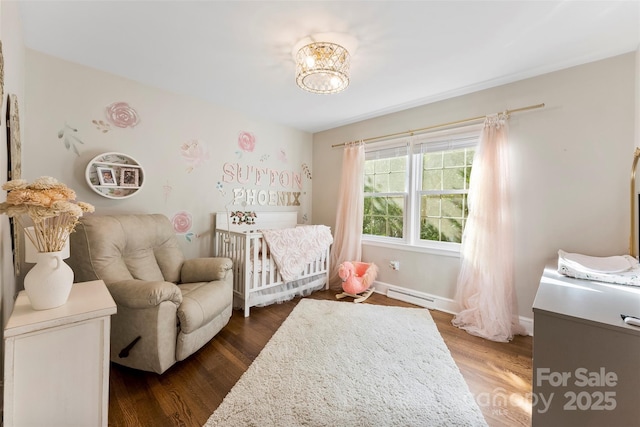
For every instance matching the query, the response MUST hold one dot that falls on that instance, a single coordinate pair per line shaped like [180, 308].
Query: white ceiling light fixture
[322, 67]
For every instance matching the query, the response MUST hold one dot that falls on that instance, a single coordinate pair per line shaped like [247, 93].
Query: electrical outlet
[395, 265]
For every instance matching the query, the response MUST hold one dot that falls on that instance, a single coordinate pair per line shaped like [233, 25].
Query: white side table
[57, 361]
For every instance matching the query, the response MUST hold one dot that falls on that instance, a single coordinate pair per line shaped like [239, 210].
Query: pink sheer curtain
[485, 289]
[348, 230]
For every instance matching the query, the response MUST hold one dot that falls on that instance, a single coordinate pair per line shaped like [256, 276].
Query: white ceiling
[238, 53]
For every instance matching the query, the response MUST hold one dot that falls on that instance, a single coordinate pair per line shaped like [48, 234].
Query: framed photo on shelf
[129, 177]
[106, 176]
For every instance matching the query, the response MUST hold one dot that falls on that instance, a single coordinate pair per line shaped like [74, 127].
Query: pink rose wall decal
[195, 153]
[122, 115]
[181, 222]
[246, 141]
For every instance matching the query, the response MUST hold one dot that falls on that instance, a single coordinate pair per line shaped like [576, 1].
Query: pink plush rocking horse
[357, 278]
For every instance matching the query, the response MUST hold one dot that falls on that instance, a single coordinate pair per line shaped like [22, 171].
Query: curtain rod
[457, 122]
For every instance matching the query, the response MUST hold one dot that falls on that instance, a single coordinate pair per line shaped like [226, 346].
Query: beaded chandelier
[322, 67]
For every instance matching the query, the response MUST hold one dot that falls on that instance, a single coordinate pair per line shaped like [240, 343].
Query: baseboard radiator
[434, 302]
[419, 300]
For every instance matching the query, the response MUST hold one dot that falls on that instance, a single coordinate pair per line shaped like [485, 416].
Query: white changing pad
[621, 270]
[593, 264]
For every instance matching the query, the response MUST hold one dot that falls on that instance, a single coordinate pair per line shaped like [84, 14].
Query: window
[443, 185]
[386, 174]
[415, 191]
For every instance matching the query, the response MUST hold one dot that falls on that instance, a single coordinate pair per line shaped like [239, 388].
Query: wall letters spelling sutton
[260, 176]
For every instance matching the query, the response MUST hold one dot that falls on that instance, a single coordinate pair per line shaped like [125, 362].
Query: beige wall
[570, 170]
[60, 92]
[637, 115]
[14, 63]
[13, 54]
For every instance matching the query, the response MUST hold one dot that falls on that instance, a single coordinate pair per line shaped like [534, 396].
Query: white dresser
[57, 361]
[586, 360]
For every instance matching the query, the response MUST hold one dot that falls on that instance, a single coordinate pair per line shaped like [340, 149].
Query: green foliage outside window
[442, 195]
[383, 207]
[447, 218]
[443, 201]
[383, 216]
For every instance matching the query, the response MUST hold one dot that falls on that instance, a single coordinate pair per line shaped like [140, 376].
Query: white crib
[256, 279]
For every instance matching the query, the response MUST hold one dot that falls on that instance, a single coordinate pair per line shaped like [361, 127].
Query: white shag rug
[343, 364]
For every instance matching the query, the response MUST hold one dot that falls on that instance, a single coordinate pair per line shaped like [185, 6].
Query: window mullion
[413, 204]
[396, 194]
[441, 192]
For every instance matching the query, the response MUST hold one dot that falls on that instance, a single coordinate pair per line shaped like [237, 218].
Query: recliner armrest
[205, 269]
[143, 294]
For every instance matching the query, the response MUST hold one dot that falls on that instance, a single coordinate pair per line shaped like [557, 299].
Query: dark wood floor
[498, 374]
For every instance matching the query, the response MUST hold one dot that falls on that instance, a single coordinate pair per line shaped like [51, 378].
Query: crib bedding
[287, 291]
[293, 248]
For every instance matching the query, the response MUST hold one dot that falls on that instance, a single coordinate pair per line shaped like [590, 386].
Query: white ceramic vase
[49, 282]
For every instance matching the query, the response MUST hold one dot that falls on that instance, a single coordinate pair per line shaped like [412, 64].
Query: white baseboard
[527, 324]
[432, 302]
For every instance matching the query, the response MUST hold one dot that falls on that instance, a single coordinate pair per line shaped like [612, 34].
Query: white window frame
[450, 138]
[399, 145]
